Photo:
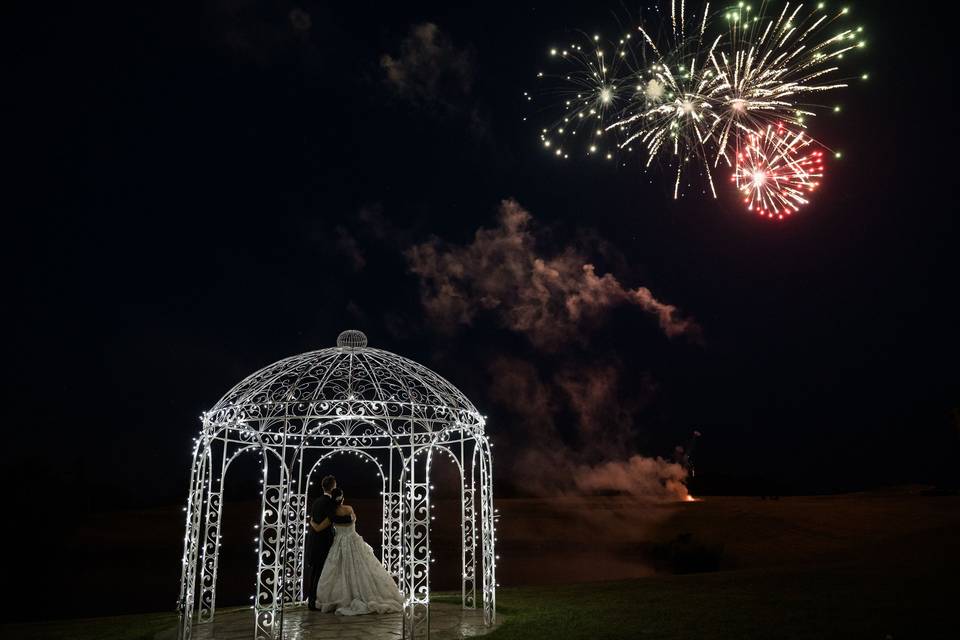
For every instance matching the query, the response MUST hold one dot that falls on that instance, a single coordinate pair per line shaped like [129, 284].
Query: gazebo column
[270, 571]
[415, 583]
[191, 539]
[468, 531]
[392, 534]
[296, 539]
[293, 504]
[208, 566]
[211, 540]
[488, 532]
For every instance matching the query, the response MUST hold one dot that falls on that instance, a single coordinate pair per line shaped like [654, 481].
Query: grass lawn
[134, 627]
[881, 567]
[827, 602]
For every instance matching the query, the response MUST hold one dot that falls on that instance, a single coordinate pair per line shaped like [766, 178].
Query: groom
[319, 538]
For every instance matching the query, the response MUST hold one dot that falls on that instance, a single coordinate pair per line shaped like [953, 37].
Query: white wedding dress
[353, 581]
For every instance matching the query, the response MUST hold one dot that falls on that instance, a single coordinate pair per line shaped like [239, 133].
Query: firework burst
[672, 115]
[590, 89]
[768, 68]
[776, 170]
[691, 94]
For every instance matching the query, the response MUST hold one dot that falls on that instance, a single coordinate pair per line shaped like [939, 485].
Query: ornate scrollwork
[488, 533]
[469, 549]
[211, 544]
[416, 542]
[293, 553]
[344, 382]
[271, 556]
[393, 510]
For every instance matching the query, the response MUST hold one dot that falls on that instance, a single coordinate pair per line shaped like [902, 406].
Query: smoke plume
[550, 461]
[639, 476]
[429, 68]
[547, 298]
[575, 413]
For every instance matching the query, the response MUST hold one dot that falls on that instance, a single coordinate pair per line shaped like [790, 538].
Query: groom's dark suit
[318, 545]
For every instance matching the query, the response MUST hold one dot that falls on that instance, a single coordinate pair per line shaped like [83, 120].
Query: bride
[353, 581]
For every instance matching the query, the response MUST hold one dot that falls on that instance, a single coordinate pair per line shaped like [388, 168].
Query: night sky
[199, 191]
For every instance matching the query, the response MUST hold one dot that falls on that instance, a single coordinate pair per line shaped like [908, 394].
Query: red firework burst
[775, 172]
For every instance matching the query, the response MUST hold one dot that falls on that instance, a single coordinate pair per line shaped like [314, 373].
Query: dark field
[870, 565]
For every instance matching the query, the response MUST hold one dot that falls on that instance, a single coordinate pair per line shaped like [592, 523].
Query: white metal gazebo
[300, 411]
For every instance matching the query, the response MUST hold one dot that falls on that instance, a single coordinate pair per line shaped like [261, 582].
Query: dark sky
[201, 190]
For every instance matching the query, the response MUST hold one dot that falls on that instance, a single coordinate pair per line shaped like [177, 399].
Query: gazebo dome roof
[349, 381]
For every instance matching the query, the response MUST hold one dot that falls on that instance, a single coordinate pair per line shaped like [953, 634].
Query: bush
[686, 554]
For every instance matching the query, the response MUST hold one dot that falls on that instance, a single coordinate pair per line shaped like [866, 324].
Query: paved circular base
[447, 622]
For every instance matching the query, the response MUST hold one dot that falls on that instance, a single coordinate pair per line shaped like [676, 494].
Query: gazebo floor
[447, 622]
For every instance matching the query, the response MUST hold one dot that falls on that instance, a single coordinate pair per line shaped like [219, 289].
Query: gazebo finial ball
[352, 339]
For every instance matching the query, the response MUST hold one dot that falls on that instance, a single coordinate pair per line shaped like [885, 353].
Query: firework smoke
[547, 298]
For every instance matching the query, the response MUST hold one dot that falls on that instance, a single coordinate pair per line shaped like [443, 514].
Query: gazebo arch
[302, 410]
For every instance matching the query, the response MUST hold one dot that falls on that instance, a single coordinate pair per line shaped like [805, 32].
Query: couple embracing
[343, 574]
